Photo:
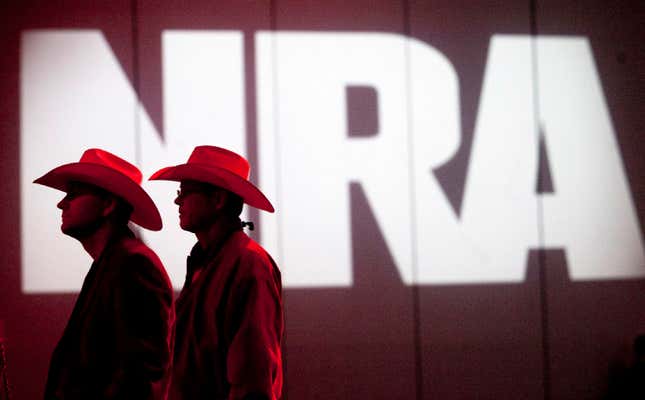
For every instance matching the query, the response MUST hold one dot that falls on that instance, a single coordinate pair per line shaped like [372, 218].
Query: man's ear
[218, 199]
[109, 205]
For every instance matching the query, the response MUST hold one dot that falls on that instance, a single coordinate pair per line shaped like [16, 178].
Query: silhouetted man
[117, 343]
[229, 312]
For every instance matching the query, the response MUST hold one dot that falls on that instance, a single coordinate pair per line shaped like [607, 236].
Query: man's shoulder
[249, 249]
[133, 246]
[131, 251]
[253, 258]
[133, 261]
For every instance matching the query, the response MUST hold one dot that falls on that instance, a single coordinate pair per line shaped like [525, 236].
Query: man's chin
[184, 223]
[78, 232]
[71, 231]
[186, 227]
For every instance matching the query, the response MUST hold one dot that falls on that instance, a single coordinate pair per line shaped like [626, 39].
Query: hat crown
[109, 160]
[218, 157]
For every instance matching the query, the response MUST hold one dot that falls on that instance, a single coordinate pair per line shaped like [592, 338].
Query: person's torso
[86, 356]
[208, 314]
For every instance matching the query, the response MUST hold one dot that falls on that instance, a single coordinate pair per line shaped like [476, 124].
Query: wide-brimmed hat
[218, 167]
[113, 174]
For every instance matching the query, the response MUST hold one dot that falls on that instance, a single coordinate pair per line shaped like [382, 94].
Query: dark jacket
[117, 342]
[229, 324]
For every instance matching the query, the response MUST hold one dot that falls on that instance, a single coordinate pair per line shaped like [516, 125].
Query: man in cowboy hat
[117, 343]
[229, 312]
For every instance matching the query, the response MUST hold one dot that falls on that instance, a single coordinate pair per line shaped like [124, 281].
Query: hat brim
[220, 177]
[144, 210]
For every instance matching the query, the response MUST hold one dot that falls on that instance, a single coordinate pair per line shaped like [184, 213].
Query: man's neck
[219, 230]
[95, 243]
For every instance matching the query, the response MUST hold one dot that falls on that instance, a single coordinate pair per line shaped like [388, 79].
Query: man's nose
[178, 200]
[62, 204]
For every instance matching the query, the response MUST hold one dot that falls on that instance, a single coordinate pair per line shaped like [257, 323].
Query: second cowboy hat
[113, 174]
[218, 167]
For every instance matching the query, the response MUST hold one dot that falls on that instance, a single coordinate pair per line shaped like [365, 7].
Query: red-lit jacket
[117, 341]
[229, 324]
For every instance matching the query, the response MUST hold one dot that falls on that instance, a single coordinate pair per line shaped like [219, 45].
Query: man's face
[83, 210]
[198, 205]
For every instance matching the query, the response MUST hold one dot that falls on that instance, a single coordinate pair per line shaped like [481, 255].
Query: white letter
[74, 95]
[203, 99]
[591, 213]
[308, 160]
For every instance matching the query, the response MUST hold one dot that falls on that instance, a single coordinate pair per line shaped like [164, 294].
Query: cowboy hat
[218, 167]
[117, 176]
